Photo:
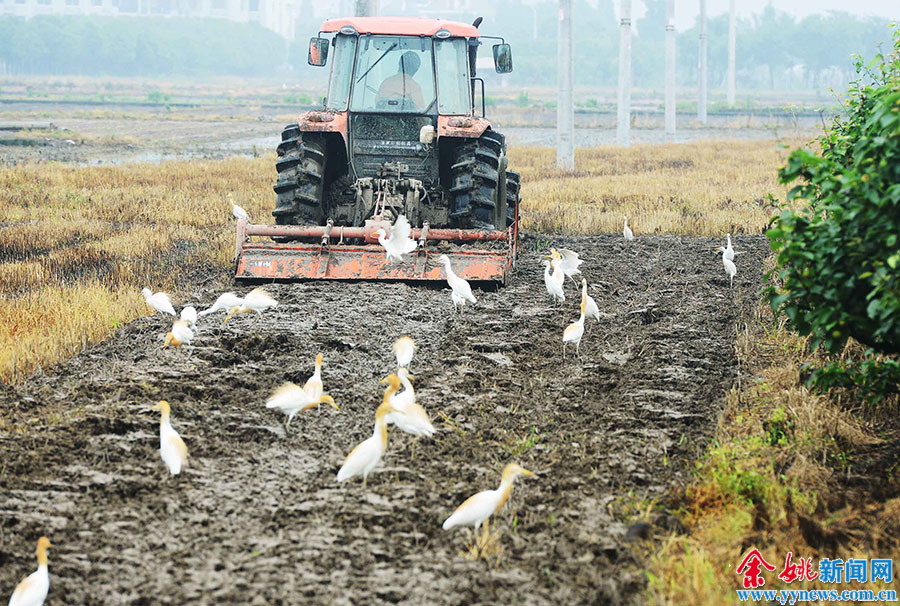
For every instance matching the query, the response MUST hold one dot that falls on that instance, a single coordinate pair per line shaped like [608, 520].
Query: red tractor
[399, 135]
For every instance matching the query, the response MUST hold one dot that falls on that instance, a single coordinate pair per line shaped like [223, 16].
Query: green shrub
[839, 256]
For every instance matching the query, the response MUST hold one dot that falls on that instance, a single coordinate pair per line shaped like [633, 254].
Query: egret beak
[411, 378]
[328, 399]
[383, 381]
[168, 341]
[154, 407]
[527, 473]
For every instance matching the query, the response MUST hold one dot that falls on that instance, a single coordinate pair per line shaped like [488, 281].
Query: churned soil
[258, 517]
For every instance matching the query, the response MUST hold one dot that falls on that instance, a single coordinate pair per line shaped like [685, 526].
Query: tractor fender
[318, 121]
[466, 127]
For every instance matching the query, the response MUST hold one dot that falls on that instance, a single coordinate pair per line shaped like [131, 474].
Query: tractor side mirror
[318, 51]
[503, 58]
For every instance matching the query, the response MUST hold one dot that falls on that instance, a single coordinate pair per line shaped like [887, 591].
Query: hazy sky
[686, 10]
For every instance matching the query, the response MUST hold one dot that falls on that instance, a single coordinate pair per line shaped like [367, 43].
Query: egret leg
[365, 482]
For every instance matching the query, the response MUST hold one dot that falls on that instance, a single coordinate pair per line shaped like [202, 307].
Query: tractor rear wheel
[475, 174]
[513, 187]
[301, 176]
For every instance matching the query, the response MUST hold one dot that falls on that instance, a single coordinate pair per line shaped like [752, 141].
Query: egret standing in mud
[408, 415]
[554, 282]
[291, 399]
[479, 507]
[588, 304]
[225, 302]
[181, 334]
[399, 243]
[257, 300]
[460, 289]
[629, 235]
[574, 332]
[404, 348]
[33, 589]
[365, 457]
[172, 449]
[158, 301]
[730, 267]
[189, 315]
[314, 386]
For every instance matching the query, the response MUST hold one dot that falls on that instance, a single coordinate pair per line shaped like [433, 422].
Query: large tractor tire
[513, 197]
[475, 167]
[301, 176]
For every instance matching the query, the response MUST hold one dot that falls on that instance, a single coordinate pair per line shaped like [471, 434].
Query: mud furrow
[258, 518]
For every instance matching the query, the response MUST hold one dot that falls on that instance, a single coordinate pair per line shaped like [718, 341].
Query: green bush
[839, 256]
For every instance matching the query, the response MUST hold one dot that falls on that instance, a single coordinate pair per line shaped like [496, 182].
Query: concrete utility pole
[731, 52]
[366, 8]
[670, 69]
[565, 105]
[623, 119]
[701, 102]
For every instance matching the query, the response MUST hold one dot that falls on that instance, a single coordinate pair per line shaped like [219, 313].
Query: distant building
[280, 16]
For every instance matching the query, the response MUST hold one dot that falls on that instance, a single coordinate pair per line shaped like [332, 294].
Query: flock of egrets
[398, 407]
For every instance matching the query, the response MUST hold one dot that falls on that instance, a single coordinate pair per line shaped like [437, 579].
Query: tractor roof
[401, 26]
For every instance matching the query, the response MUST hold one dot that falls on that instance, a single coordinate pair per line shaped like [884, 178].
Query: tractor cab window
[453, 77]
[341, 73]
[393, 74]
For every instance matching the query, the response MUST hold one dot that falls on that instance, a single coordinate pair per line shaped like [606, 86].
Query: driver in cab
[401, 88]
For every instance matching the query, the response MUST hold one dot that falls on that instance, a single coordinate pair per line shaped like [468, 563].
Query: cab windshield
[393, 74]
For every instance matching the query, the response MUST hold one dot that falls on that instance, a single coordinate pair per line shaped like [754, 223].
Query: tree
[839, 256]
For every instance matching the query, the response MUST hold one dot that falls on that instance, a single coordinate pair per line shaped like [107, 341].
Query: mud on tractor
[401, 132]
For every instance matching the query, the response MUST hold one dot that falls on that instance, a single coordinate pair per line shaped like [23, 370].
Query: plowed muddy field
[258, 517]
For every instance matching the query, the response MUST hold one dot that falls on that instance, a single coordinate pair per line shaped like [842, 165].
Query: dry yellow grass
[78, 244]
[701, 188]
[777, 450]
[91, 238]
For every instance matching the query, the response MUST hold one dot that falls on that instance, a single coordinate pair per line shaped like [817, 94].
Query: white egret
[730, 267]
[33, 589]
[461, 291]
[189, 315]
[569, 262]
[225, 302]
[728, 251]
[399, 243]
[404, 348]
[238, 212]
[290, 399]
[365, 457]
[313, 386]
[590, 306]
[181, 334]
[158, 301]
[629, 235]
[409, 416]
[574, 332]
[257, 300]
[553, 283]
[479, 507]
[172, 449]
